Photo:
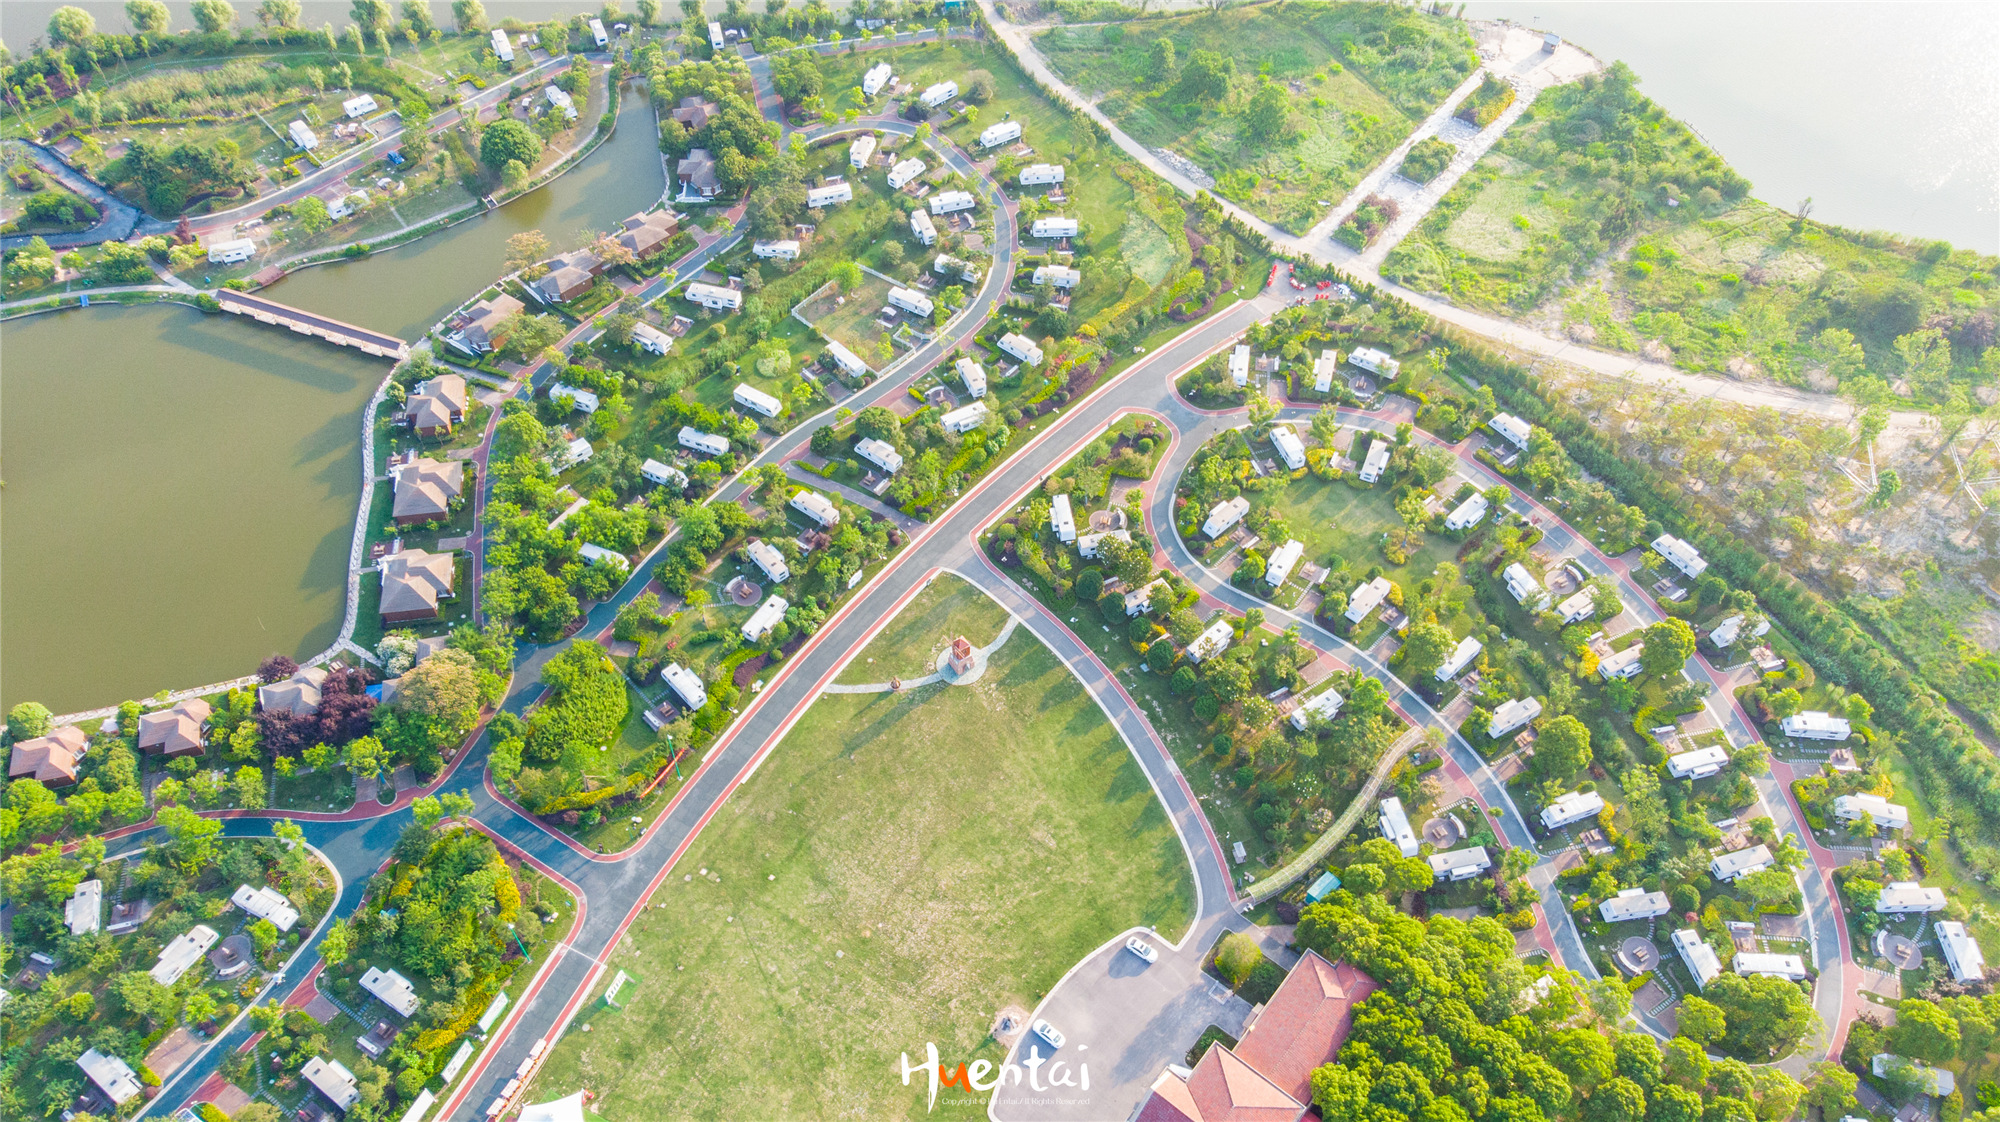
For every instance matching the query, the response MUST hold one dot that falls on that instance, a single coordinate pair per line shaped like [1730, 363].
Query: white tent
[559, 1110]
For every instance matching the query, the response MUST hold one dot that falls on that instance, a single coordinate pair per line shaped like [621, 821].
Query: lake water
[180, 488]
[180, 498]
[1882, 113]
[406, 290]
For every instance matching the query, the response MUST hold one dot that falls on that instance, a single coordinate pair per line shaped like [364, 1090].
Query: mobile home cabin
[1021, 347]
[1324, 370]
[830, 194]
[757, 401]
[1225, 515]
[993, 136]
[1470, 513]
[1374, 361]
[849, 362]
[1054, 228]
[714, 297]
[973, 375]
[965, 418]
[878, 76]
[1290, 448]
[911, 301]
[951, 202]
[232, 251]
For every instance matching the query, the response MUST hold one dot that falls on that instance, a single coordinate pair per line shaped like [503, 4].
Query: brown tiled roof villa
[1268, 1076]
[176, 731]
[425, 489]
[412, 583]
[48, 759]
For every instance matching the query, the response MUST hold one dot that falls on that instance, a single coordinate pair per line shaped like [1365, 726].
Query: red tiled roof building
[1268, 1076]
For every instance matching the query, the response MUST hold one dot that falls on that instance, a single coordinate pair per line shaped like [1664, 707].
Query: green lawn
[849, 318]
[331, 790]
[909, 646]
[1341, 522]
[1350, 95]
[903, 866]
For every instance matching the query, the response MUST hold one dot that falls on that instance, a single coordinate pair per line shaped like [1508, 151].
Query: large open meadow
[903, 866]
[1353, 79]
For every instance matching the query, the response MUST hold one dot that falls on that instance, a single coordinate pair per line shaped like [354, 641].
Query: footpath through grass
[902, 867]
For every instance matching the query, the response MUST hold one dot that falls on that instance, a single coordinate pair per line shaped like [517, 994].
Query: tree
[649, 12]
[280, 13]
[1669, 643]
[147, 17]
[276, 668]
[1089, 585]
[1831, 1088]
[370, 15]
[1264, 119]
[1425, 649]
[797, 78]
[1925, 1032]
[1702, 1021]
[214, 16]
[142, 996]
[431, 810]
[1765, 1015]
[334, 947]
[1160, 60]
[1618, 1100]
[1926, 359]
[1675, 1104]
[72, 26]
[418, 13]
[1767, 886]
[1562, 747]
[980, 86]
[311, 215]
[192, 837]
[364, 757]
[1887, 484]
[1581, 1054]
[1363, 879]
[1206, 77]
[442, 695]
[1126, 560]
[29, 720]
[469, 15]
[1238, 955]
[506, 141]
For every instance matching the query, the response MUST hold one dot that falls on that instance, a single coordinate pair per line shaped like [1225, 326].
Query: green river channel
[180, 489]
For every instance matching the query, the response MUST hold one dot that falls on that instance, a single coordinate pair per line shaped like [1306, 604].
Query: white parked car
[1048, 1033]
[1142, 948]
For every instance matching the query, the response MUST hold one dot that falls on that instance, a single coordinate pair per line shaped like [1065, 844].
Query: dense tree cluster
[1457, 1034]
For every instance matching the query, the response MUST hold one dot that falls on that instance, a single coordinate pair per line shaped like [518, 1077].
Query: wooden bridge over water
[269, 311]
